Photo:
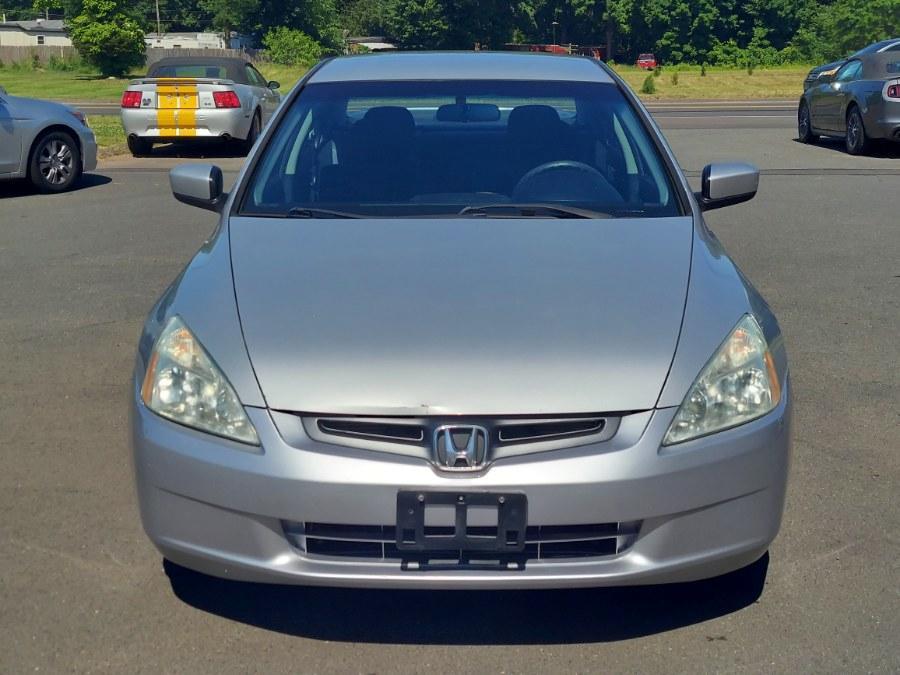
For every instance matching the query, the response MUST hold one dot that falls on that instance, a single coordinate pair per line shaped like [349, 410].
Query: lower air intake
[377, 542]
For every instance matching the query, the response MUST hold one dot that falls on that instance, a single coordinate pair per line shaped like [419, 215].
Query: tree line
[715, 32]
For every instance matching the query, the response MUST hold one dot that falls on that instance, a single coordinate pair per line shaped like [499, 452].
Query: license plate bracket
[412, 535]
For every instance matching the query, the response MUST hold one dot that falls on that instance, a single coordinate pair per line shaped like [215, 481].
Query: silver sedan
[48, 143]
[462, 325]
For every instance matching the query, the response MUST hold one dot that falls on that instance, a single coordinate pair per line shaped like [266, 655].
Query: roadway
[81, 589]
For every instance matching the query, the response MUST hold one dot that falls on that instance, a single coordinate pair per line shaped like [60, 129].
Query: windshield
[189, 70]
[388, 149]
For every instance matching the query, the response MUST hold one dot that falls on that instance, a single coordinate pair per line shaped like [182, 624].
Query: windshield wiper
[530, 211]
[307, 212]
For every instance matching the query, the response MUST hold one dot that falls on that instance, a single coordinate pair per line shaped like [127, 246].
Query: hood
[461, 316]
[35, 108]
[827, 66]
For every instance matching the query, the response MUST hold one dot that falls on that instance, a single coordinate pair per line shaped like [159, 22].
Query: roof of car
[882, 66]
[234, 67]
[876, 47]
[460, 66]
[199, 60]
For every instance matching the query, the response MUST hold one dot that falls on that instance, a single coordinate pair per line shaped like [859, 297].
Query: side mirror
[727, 184]
[274, 85]
[198, 185]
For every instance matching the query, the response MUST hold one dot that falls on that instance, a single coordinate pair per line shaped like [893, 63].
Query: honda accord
[461, 325]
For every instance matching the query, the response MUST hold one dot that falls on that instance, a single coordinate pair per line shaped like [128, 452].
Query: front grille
[522, 432]
[375, 429]
[503, 431]
[377, 542]
[415, 436]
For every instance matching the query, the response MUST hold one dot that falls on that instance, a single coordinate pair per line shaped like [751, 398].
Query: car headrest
[528, 120]
[388, 122]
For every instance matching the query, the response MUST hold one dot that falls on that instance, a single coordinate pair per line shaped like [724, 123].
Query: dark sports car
[860, 102]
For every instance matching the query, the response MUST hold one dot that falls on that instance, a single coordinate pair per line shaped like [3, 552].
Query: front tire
[857, 141]
[55, 163]
[804, 125]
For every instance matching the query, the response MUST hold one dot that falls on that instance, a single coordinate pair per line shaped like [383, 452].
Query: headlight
[80, 116]
[737, 385]
[184, 385]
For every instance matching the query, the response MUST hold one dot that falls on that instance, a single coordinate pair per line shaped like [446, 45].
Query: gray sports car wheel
[857, 142]
[253, 134]
[55, 162]
[804, 125]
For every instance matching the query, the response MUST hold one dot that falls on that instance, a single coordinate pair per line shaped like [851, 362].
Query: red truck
[646, 61]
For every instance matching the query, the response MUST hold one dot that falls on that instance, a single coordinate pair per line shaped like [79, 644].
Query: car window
[422, 149]
[193, 70]
[254, 77]
[849, 72]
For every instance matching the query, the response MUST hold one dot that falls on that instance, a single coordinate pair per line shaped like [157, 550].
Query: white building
[195, 41]
[32, 33]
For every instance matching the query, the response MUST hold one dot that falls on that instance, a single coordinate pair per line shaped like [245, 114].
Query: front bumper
[165, 125]
[88, 150]
[705, 507]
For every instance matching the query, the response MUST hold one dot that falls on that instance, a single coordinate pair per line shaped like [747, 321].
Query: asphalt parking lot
[82, 589]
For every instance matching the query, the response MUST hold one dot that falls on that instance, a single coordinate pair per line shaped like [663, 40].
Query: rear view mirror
[727, 184]
[198, 185]
[468, 112]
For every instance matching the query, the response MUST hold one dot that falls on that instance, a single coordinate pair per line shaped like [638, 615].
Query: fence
[43, 53]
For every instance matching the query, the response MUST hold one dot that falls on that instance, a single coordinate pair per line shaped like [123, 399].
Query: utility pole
[158, 28]
[554, 24]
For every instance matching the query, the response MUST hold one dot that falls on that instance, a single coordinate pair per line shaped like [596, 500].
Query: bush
[657, 71]
[63, 65]
[20, 66]
[291, 47]
[106, 38]
[649, 86]
[703, 70]
[675, 79]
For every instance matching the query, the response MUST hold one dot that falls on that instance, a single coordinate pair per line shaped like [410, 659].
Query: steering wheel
[565, 180]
